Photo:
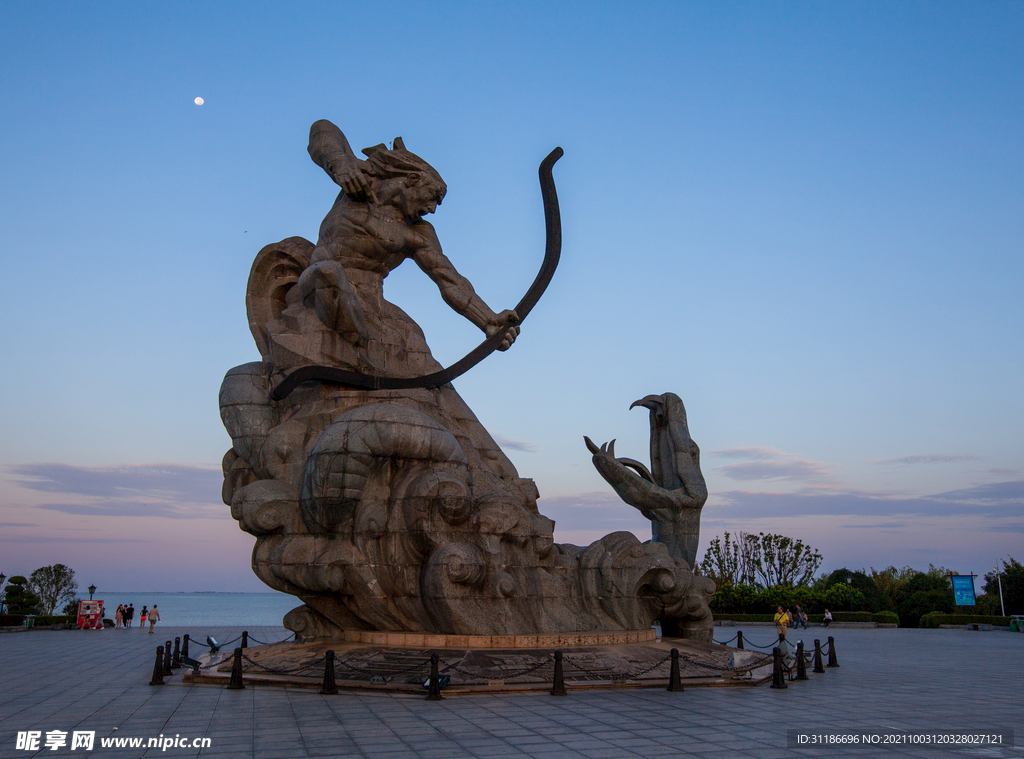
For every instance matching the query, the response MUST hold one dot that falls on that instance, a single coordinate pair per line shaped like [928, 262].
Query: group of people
[125, 614]
[785, 619]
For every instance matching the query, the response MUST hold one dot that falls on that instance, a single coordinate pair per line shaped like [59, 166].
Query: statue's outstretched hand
[348, 175]
[507, 320]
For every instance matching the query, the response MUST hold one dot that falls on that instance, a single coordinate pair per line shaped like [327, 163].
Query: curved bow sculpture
[552, 251]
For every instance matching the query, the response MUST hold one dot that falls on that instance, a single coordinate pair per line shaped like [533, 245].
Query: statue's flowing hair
[399, 162]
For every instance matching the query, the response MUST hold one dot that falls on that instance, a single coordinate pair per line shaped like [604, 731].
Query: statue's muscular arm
[456, 290]
[329, 149]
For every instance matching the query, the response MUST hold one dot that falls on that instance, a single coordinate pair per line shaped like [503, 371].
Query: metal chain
[296, 671]
[770, 645]
[371, 673]
[624, 676]
[263, 643]
[506, 676]
[727, 642]
[746, 667]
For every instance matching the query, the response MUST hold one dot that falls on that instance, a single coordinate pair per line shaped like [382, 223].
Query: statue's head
[418, 188]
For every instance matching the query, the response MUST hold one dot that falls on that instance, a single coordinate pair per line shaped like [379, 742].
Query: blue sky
[805, 219]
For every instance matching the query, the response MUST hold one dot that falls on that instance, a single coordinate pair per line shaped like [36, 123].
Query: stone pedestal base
[480, 669]
[557, 640]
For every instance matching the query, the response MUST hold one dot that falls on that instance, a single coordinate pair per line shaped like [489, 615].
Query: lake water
[205, 609]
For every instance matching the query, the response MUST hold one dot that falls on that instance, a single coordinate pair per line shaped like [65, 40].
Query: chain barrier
[508, 676]
[746, 641]
[388, 675]
[745, 668]
[294, 671]
[727, 642]
[615, 676]
[264, 643]
[769, 646]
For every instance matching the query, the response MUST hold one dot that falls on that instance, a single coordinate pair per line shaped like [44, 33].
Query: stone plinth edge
[554, 640]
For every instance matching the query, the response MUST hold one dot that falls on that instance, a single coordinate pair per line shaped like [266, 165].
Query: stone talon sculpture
[672, 492]
[374, 493]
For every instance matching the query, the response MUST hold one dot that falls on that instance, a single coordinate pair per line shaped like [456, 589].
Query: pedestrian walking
[154, 617]
[800, 618]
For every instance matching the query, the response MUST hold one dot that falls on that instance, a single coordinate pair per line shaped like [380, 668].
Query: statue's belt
[552, 250]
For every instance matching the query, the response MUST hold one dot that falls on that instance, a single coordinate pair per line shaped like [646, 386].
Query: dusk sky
[805, 219]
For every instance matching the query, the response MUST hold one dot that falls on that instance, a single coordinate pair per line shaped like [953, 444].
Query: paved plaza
[888, 680]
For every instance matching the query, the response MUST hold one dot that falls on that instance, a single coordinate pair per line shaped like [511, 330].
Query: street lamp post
[92, 589]
[849, 581]
[2, 578]
[998, 578]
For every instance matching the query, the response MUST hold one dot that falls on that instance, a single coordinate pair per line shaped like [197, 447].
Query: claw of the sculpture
[590, 445]
[611, 449]
[648, 401]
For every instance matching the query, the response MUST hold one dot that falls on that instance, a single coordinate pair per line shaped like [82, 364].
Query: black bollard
[329, 687]
[158, 667]
[675, 684]
[176, 657]
[434, 687]
[167, 659]
[184, 647]
[558, 685]
[739, 640]
[245, 638]
[818, 669]
[832, 661]
[778, 673]
[801, 663]
[237, 683]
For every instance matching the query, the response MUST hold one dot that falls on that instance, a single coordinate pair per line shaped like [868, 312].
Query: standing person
[142, 617]
[131, 614]
[781, 621]
[799, 619]
[118, 615]
[828, 618]
[154, 617]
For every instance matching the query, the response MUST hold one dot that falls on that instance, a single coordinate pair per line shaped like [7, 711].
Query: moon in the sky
[199, 101]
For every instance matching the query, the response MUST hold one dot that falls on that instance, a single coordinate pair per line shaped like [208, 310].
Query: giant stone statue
[375, 495]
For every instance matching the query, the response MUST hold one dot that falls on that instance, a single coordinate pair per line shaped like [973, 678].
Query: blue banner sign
[963, 589]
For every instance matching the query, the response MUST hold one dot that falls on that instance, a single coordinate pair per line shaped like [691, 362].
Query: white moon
[199, 101]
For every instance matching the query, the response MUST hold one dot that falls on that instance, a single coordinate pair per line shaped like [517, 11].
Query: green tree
[924, 592]
[18, 597]
[1012, 572]
[867, 586]
[54, 586]
[780, 560]
[726, 560]
[887, 584]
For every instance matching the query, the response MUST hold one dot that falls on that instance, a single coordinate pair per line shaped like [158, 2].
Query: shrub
[853, 616]
[746, 617]
[886, 617]
[12, 620]
[936, 618]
